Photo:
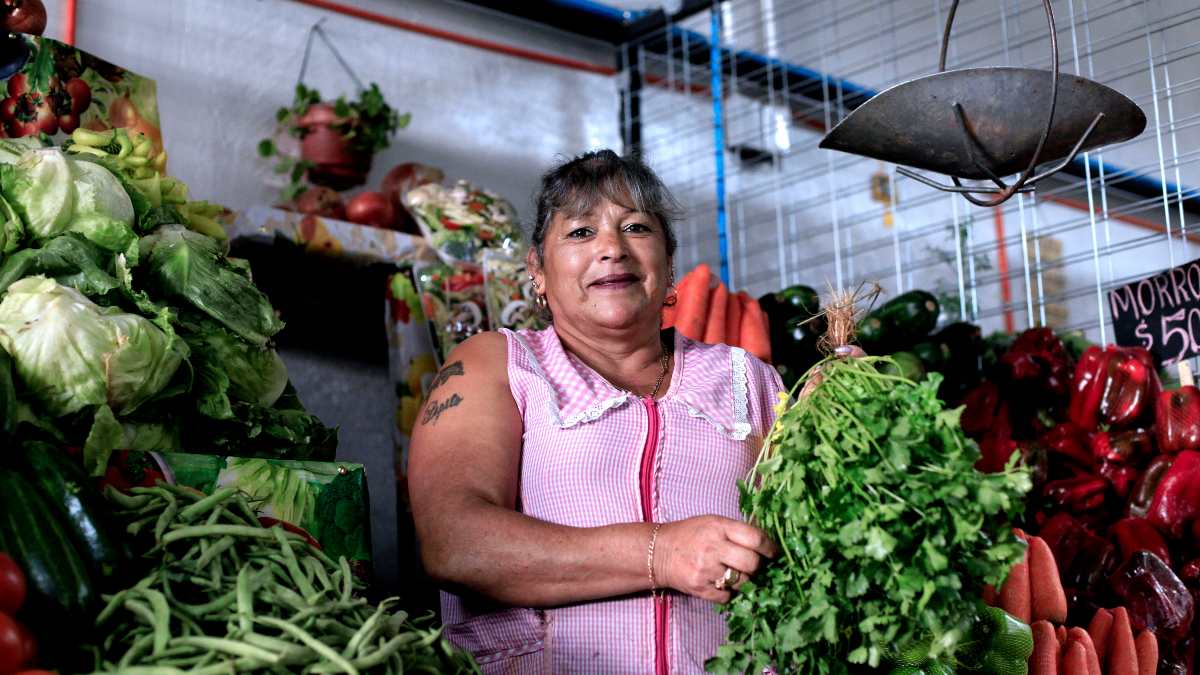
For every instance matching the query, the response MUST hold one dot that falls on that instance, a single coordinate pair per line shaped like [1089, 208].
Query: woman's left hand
[694, 555]
[843, 352]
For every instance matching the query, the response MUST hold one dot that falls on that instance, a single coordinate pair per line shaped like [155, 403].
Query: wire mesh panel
[791, 70]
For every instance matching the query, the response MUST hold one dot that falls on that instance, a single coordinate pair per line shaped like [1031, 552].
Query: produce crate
[327, 501]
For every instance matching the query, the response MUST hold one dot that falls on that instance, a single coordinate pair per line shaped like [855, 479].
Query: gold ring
[730, 578]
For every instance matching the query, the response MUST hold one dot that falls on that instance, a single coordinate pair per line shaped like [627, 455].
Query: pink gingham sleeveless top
[594, 455]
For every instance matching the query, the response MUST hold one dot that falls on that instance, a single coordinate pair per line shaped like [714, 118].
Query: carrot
[1081, 636]
[1147, 653]
[1122, 654]
[692, 309]
[1014, 594]
[1075, 660]
[733, 320]
[753, 331]
[1048, 600]
[714, 327]
[1099, 629]
[1045, 650]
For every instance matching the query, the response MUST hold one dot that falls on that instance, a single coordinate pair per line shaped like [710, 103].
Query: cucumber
[61, 594]
[80, 509]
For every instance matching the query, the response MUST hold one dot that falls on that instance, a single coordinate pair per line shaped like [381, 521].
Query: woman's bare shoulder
[481, 357]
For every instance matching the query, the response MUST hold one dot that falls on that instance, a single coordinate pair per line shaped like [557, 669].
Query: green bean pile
[227, 595]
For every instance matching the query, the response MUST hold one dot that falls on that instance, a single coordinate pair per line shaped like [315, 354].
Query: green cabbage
[71, 353]
[54, 193]
[191, 267]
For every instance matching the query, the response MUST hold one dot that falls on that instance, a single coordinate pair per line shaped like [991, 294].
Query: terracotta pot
[337, 165]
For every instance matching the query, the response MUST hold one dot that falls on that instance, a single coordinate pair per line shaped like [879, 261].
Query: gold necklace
[663, 373]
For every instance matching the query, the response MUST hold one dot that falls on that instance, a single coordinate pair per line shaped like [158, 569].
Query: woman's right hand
[691, 555]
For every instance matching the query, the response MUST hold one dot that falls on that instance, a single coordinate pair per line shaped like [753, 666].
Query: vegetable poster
[53, 88]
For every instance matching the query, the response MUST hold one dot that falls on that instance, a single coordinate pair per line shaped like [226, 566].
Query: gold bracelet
[650, 558]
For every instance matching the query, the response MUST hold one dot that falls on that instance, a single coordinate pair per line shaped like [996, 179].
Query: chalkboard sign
[1160, 313]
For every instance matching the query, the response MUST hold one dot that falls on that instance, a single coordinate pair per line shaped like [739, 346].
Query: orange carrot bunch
[706, 311]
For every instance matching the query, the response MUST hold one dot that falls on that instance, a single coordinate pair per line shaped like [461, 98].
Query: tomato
[68, 122]
[12, 585]
[17, 128]
[28, 644]
[81, 95]
[8, 109]
[37, 672]
[485, 234]
[12, 649]
[450, 224]
[24, 16]
[18, 84]
[47, 121]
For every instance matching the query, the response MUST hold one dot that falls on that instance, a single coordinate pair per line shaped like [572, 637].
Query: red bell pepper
[1120, 476]
[1147, 484]
[1038, 357]
[1113, 386]
[1177, 498]
[1078, 495]
[1122, 447]
[1177, 415]
[1138, 534]
[1068, 441]
[1086, 388]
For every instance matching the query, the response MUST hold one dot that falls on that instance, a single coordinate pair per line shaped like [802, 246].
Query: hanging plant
[337, 139]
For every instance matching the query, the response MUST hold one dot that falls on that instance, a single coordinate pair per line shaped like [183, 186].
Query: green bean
[162, 619]
[184, 491]
[146, 670]
[347, 582]
[165, 518]
[293, 567]
[207, 503]
[127, 501]
[319, 647]
[215, 549]
[193, 531]
[366, 632]
[228, 667]
[289, 650]
[114, 602]
[248, 511]
[245, 600]
[385, 650]
[139, 646]
[231, 647]
[334, 626]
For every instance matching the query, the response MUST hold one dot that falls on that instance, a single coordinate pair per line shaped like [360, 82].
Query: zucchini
[933, 354]
[912, 314]
[907, 365]
[8, 396]
[61, 595]
[80, 509]
[799, 300]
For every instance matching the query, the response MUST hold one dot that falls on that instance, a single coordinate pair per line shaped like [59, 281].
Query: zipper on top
[646, 485]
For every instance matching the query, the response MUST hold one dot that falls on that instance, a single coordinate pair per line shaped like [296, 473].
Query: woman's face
[608, 268]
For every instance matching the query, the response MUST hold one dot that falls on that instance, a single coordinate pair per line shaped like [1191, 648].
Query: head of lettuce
[72, 353]
[55, 193]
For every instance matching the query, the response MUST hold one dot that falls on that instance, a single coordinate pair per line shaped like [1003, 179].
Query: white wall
[224, 66]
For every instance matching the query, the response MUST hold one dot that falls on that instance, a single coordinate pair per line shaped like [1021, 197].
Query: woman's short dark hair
[575, 187]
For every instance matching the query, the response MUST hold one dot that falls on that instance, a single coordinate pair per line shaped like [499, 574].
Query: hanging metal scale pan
[978, 123]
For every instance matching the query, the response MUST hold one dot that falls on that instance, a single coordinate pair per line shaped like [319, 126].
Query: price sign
[1160, 313]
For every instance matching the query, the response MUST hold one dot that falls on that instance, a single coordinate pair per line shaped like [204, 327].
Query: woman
[576, 487]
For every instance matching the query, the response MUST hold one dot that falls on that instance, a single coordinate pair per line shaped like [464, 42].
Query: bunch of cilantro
[887, 531]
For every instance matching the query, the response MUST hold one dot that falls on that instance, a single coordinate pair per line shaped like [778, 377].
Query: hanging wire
[316, 30]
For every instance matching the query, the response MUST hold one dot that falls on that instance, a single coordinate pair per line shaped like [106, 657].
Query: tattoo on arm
[434, 409]
[444, 374]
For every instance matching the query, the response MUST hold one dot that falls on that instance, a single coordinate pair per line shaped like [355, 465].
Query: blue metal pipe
[714, 54]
